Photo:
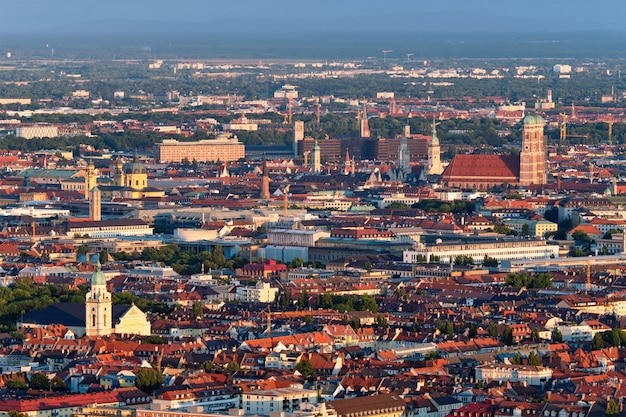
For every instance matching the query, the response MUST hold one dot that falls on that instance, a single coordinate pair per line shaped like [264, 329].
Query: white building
[288, 237]
[500, 250]
[264, 402]
[262, 292]
[37, 131]
[531, 375]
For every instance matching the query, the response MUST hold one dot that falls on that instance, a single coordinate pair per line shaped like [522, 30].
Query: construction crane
[408, 57]
[385, 52]
[610, 132]
[290, 112]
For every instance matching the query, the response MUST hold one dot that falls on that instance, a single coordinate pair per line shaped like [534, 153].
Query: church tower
[98, 320]
[434, 153]
[316, 158]
[119, 176]
[533, 154]
[90, 179]
[95, 204]
[404, 157]
[136, 175]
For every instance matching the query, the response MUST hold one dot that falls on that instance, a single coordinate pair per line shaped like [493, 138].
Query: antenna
[385, 52]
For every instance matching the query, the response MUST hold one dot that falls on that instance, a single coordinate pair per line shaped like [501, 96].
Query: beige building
[264, 402]
[221, 148]
[531, 375]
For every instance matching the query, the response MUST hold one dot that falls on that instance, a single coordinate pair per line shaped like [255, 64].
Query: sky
[275, 16]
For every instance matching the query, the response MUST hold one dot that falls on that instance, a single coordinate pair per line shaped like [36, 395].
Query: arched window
[93, 320]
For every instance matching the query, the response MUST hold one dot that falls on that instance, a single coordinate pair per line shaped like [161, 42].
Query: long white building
[500, 250]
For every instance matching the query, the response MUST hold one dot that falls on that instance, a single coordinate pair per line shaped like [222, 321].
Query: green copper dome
[136, 167]
[533, 119]
[98, 278]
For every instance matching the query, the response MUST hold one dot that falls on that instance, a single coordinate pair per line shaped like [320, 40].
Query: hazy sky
[36, 16]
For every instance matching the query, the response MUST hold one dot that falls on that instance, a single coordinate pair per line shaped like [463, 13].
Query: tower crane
[385, 52]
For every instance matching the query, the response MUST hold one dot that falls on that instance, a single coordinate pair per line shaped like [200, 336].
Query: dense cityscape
[393, 235]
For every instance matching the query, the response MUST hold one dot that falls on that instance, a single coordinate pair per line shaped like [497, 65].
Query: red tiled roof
[502, 167]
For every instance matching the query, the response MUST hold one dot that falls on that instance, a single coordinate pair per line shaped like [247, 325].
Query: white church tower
[433, 166]
[98, 309]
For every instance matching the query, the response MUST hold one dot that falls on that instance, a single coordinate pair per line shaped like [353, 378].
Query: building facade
[221, 148]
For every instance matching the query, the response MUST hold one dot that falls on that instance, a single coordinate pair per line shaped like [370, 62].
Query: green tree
[597, 342]
[516, 359]
[356, 323]
[382, 322]
[303, 301]
[525, 230]
[472, 331]
[612, 409]
[58, 385]
[208, 366]
[104, 256]
[507, 336]
[40, 381]
[535, 335]
[308, 319]
[196, 309]
[534, 359]
[17, 384]
[490, 262]
[14, 413]
[368, 266]
[233, 367]
[305, 368]
[82, 250]
[147, 380]
[369, 303]
[492, 329]
[557, 336]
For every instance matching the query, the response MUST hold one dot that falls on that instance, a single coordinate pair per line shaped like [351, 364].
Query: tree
[597, 342]
[368, 266]
[535, 335]
[40, 381]
[507, 336]
[490, 262]
[534, 359]
[196, 309]
[382, 322]
[17, 385]
[525, 230]
[492, 329]
[104, 256]
[305, 368]
[14, 413]
[303, 301]
[233, 367]
[58, 385]
[82, 250]
[356, 323]
[557, 336]
[612, 409]
[208, 366]
[472, 331]
[147, 380]
[308, 319]
[516, 359]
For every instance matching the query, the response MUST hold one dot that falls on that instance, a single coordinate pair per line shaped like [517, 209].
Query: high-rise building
[298, 135]
[404, 158]
[364, 123]
[533, 153]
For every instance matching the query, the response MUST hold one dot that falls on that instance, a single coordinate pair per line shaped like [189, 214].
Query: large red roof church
[480, 172]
